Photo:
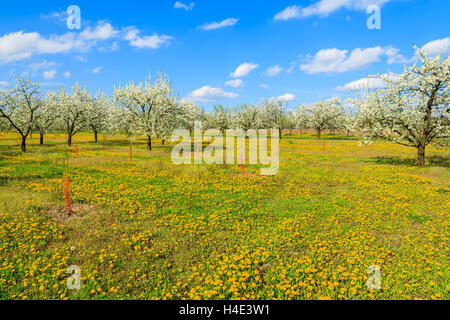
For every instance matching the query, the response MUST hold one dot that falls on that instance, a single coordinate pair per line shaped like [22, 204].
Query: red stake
[67, 196]
[242, 164]
[76, 152]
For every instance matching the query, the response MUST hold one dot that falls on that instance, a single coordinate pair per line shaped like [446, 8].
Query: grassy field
[148, 229]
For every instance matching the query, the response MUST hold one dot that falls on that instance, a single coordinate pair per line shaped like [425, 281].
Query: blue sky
[227, 52]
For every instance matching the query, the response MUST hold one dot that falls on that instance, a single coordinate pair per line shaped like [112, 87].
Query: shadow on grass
[432, 161]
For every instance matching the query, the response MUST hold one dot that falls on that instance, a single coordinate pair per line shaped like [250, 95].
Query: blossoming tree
[19, 107]
[149, 108]
[413, 109]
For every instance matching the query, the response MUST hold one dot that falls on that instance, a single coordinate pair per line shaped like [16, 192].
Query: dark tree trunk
[96, 136]
[23, 145]
[69, 140]
[318, 133]
[41, 139]
[421, 156]
[149, 143]
[163, 141]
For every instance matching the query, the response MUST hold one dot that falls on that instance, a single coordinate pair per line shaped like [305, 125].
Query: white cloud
[22, 45]
[153, 42]
[288, 97]
[208, 94]
[236, 83]
[217, 25]
[324, 8]
[335, 60]
[103, 31]
[42, 65]
[49, 74]
[265, 86]
[97, 70]
[291, 68]
[366, 83]
[180, 5]
[243, 70]
[288, 13]
[435, 47]
[273, 71]
[67, 74]
[361, 84]
[17, 46]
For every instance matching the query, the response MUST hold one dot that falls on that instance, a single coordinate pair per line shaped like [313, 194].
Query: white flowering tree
[413, 109]
[272, 113]
[326, 114]
[19, 107]
[246, 117]
[72, 109]
[47, 115]
[301, 118]
[288, 121]
[150, 109]
[97, 114]
[220, 118]
[190, 114]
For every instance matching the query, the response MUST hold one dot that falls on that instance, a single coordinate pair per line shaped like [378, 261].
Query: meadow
[148, 229]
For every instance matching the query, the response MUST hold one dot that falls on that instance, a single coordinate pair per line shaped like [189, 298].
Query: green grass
[148, 229]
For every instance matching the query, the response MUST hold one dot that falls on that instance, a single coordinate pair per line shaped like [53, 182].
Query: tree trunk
[421, 156]
[318, 133]
[163, 141]
[149, 143]
[69, 140]
[41, 139]
[96, 136]
[23, 145]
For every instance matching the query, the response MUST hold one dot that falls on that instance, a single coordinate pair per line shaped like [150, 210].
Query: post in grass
[67, 196]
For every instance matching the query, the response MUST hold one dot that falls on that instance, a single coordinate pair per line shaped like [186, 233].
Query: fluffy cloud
[217, 25]
[365, 84]
[154, 41]
[435, 47]
[103, 31]
[97, 70]
[49, 74]
[289, 13]
[22, 45]
[180, 5]
[273, 71]
[236, 83]
[67, 74]
[208, 94]
[324, 8]
[263, 85]
[243, 70]
[286, 98]
[335, 60]
[17, 46]
[361, 84]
